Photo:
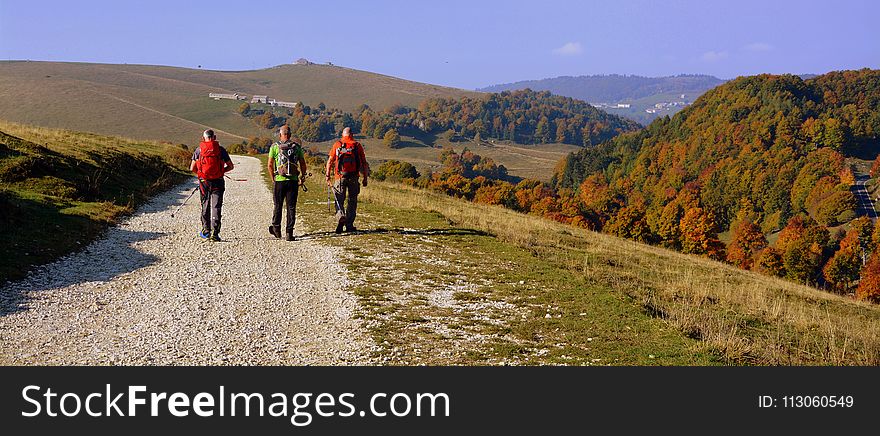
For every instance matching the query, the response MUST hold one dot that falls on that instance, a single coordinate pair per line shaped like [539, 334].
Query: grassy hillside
[59, 189]
[170, 103]
[445, 281]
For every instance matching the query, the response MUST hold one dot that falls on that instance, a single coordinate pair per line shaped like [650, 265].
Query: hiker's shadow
[394, 230]
[111, 256]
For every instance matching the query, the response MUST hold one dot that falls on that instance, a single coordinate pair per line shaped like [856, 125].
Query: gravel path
[152, 292]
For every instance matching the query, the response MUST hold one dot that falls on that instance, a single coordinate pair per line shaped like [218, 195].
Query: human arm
[270, 163]
[331, 163]
[194, 165]
[302, 167]
[365, 167]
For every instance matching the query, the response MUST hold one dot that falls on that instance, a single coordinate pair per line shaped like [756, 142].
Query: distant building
[285, 104]
[260, 99]
[218, 96]
[302, 61]
[623, 105]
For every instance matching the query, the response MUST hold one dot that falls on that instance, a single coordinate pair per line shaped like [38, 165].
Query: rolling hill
[755, 156]
[171, 104]
[608, 91]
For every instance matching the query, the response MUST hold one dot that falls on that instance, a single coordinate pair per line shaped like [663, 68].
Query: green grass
[444, 281]
[437, 293]
[61, 189]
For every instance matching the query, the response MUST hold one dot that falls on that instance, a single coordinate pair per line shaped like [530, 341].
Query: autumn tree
[843, 268]
[630, 223]
[698, 234]
[395, 171]
[244, 109]
[747, 241]
[391, 139]
[769, 261]
[869, 285]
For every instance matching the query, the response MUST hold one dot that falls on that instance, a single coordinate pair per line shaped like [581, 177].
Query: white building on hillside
[260, 99]
[285, 104]
[218, 96]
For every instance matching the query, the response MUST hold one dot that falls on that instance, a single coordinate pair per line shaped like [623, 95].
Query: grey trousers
[351, 187]
[212, 201]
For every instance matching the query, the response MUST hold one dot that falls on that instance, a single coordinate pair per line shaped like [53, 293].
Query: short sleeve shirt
[273, 154]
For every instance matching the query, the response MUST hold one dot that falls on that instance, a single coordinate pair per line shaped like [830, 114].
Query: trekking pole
[329, 195]
[336, 202]
[237, 180]
[184, 201]
[302, 182]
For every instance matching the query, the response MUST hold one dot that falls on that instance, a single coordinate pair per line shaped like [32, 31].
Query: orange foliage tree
[698, 234]
[747, 241]
[869, 285]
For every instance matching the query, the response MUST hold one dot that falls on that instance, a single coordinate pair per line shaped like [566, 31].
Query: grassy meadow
[445, 281]
[171, 103]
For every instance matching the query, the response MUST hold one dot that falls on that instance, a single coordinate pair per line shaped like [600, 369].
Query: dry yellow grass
[746, 317]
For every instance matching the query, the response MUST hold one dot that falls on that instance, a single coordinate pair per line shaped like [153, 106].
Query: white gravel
[152, 292]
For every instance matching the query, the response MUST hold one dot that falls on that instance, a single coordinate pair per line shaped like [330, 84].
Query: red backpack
[347, 159]
[210, 161]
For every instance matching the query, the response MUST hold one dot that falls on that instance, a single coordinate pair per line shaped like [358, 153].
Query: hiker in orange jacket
[210, 162]
[346, 160]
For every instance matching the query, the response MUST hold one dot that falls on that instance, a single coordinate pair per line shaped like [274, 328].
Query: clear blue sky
[466, 44]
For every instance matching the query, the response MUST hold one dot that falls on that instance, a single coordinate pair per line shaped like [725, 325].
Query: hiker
[284, 156]
[345, 161]
[210, 162]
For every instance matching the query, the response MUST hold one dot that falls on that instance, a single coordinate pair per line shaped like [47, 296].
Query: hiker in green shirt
[284, 156]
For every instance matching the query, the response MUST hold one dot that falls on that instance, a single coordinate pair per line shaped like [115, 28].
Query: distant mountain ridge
[614, 87]
[643, 94]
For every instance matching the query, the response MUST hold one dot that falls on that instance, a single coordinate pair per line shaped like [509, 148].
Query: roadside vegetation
[60, 189]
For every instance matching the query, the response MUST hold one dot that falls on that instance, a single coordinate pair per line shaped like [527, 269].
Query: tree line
[525, 117]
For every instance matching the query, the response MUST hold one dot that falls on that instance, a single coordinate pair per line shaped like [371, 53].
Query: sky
[465, 44]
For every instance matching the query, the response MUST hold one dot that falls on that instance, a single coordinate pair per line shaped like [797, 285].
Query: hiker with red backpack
[210, 162]
[284, 156]
[345, 161]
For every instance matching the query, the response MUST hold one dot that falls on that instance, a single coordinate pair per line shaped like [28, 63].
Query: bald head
[284, 132]
[346, 132]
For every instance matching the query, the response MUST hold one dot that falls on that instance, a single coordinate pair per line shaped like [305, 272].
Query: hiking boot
[215, 238]
[351, 229]
[204, 234]
[275, 231]
[290, 237]
[339, 227]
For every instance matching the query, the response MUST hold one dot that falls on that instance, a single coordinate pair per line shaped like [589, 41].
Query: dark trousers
[211, 193]
[349, 186]
[285, 191]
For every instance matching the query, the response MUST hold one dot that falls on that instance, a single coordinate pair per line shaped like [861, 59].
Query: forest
[761, 157]
[524, 117]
